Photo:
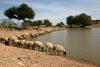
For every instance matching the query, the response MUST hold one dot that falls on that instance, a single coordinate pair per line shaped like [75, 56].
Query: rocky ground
[17, 57]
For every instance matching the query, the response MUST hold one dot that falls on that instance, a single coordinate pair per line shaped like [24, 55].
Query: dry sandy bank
[17, 57]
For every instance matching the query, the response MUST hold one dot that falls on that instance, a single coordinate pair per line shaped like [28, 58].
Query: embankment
[17, 57]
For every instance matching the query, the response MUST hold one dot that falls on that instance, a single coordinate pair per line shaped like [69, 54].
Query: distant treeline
[26, 13]
[96, 21]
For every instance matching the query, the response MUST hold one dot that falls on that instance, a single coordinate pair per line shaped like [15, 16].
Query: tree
[47, 22]
[11, 13]
[20, 13]
[39, 22]
[70, 20]
[25, 12]
[60, 24]
[82, 20]
[26, 24]
[34, 23]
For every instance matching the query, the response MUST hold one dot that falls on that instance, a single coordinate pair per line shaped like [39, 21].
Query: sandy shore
[9, 33]
[17, 57]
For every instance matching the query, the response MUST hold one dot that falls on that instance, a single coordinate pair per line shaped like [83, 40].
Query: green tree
[60, 24]
[11, 13]
[47, 22]
[34, 23]
[39, 22]
[20, 13]
[25, 12]
[70, 20]
[82, 20]
[26, 24]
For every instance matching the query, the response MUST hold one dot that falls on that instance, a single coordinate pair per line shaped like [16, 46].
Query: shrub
[8, 24]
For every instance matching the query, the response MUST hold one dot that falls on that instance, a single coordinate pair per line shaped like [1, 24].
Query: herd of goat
[50, 48]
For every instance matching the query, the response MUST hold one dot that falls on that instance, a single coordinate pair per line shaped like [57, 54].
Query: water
[79, 43]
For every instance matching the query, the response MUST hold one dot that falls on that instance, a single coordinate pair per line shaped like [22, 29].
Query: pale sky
[55, 10]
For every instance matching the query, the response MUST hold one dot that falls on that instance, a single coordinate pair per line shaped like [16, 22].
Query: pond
[79, 43]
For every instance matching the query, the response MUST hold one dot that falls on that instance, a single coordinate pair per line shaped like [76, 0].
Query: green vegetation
[26, 24]
[47, 22]
[37, 23]
[60, 24]
[22, 12]
[82, 20]
[25, 13]
[8, 24]
[70, 20]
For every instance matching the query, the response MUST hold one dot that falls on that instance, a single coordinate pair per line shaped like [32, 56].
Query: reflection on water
[79, 43]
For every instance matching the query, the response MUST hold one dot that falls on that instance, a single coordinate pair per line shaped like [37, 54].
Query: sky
[55, 10]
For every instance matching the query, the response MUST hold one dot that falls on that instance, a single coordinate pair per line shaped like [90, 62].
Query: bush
[82, 20]
[21, 12]
[26, 24]
[60, 24]
[47, 22]
[8, 24]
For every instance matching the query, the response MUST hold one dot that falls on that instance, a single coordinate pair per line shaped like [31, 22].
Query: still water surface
[79, 43]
